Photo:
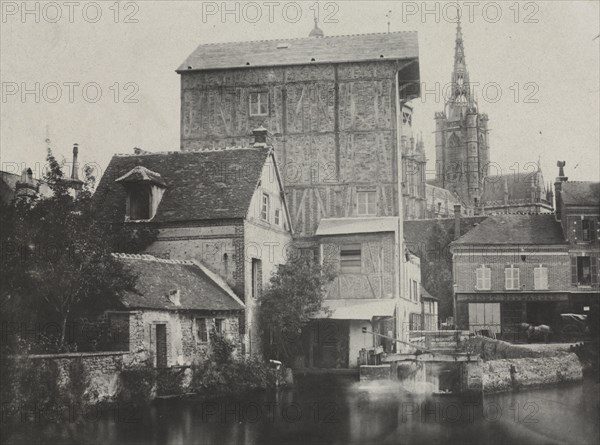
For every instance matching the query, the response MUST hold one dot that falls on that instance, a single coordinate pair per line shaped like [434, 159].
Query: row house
[224, 208]
[514, 269]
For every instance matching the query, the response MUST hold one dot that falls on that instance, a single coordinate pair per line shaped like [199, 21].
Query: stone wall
[522, 373]
[184, 347]
[59, 380]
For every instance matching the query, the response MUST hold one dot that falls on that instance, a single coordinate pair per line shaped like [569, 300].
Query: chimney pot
[75, 168]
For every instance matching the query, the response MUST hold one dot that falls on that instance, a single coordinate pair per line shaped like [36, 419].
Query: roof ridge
[147, 257]
[307, 38]
[196, 150]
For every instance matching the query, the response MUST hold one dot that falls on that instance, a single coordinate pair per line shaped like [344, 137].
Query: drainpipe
[400, 228]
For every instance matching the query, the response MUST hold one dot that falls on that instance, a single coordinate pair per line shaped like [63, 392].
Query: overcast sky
[542, 56]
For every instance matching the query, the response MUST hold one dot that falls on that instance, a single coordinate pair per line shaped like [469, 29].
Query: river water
[336, 411]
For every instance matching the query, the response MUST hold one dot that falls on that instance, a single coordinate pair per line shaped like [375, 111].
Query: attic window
[283, 45]
[144, 189]
[139, 203]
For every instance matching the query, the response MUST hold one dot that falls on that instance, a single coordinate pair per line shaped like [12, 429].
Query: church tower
[461, 141]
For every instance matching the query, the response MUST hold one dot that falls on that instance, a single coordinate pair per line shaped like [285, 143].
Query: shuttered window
[484, 278]
[511, 278]
[540, 277]
[350, 258]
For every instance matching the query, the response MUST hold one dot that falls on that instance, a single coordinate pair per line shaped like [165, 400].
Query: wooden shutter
[594, 270]
[578, 226]
[479, 277]
[507, 278]
[487, 278]
[574, 271]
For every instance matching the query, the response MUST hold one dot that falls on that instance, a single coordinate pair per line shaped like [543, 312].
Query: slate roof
[302, 51]
[200, 185]
[580, 193]
[519, 187]
[199, 288]
[515, 229]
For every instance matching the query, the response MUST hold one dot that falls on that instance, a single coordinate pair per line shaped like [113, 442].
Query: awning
[349, 309]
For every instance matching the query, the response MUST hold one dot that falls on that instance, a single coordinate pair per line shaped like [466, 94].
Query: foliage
[221, 348]
[240, 374]
[56, 264]
[295, 292]
[436, 269]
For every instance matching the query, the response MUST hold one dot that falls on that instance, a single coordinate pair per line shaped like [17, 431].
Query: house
[365, 294]
[167, 319]
[578, 210]
[335, 107]
[224, 207]
[511, 269]
[514, 269]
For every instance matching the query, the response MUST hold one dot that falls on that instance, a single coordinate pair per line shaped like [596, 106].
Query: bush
[221, 348]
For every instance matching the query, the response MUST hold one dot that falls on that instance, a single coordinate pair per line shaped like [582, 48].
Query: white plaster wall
[358, 340]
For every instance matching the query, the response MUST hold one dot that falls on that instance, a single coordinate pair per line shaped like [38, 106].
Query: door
[161, 345]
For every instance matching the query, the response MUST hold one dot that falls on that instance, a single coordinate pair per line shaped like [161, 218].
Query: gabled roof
[303, 51]
[515, 229]
[345, 226]
[197, 286]
[580, 193]
[200, 185]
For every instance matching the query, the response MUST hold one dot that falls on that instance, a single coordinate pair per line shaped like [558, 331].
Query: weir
[435, 367]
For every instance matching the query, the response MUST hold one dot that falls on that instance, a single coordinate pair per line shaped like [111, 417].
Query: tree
[56, 262]
[295, 292]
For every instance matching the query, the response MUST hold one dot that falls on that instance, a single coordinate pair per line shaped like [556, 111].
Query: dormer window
[144, 189]
[139, 202]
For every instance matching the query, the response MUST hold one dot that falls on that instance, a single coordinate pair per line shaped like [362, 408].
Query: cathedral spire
[461, 91]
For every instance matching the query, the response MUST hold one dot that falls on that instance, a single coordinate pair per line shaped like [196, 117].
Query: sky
[102, 74]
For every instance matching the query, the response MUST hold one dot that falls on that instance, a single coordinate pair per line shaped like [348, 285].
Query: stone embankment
[508, 367]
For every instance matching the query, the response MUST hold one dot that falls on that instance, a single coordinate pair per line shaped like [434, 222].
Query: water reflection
[340, 411]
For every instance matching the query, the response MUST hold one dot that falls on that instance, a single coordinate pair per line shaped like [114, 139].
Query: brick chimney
[558, 187]
[456, 221]
[260, 136]
[75, 168]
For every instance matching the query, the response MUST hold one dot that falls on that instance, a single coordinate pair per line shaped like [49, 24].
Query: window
[264, 210]
[201, 332]
[511, 277]
[540, 277]
[139, 203]
[350, 258]
[367, 202]
[259, 103]
[484, 278]
[586, 229]
[277, 217]
[584, 273]
[484, 316]
[415, 290]
[219, 325]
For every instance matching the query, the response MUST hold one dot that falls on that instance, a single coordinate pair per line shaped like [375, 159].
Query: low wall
[52, 380]
[490, 349]
[522, 373]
